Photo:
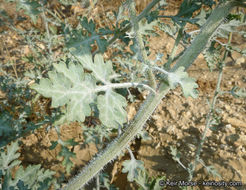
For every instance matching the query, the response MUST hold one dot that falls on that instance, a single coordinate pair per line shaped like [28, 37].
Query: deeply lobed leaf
[100, 70]
[70, 86]
[8, 159]
[132, 167]
[188, 84]
[76, 90]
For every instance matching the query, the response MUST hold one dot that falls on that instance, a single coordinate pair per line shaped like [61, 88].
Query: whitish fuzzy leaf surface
[96, 134]
[201, 18]
[28, 175]
[211, 169]
[111, 109]
[132, 167]
[70, 86]
[188, 84]
[238, 92]
[120, 14]
[8, 159]
[231, 26]
[101, 71]
[44, 174]
[175, 154]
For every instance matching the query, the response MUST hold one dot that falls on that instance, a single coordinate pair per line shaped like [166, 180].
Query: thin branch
[210, 113]
[181, 164]
[194, 31]
[131, 153]
[161, 70]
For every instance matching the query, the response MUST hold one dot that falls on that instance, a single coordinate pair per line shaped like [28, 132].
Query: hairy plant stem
[151, 102]
[210, 113]
[120, 143]
[212, 24]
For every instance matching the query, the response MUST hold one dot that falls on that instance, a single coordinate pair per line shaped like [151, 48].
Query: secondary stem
[210, 114]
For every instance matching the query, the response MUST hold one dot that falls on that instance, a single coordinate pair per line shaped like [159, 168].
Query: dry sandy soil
[177, 122]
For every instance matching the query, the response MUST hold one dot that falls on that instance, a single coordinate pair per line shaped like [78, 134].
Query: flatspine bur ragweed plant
[82, 83]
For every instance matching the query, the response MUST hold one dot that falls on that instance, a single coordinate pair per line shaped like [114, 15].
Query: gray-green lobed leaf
[101, 71]
[30, 177]
[188, 84]
[9, 159]
[70, 86]
[231, 26]
[132, 167]
[201, 17]
[27, 175]
[111, 109]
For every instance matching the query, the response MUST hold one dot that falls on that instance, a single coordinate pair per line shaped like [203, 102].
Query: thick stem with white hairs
[152, 101]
